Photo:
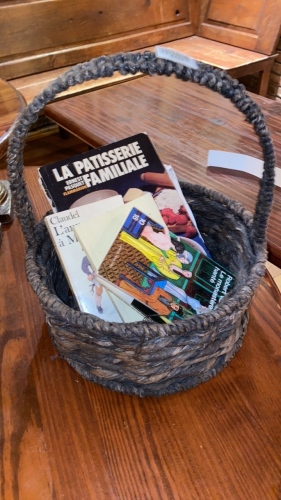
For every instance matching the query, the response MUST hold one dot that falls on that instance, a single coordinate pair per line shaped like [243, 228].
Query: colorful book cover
[177, 213]
[91, 297]
[129, 167]
[98, 234]
[159, 269]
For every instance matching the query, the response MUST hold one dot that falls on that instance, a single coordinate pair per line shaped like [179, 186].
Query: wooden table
[185, 121]
[63, 437]
[11, 104]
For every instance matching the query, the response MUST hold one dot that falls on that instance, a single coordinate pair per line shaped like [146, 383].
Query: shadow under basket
[147, 358]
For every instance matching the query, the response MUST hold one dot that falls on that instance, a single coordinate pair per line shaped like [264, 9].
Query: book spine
[46, 192]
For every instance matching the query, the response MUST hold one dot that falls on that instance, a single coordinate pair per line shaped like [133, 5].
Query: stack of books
[127, 238]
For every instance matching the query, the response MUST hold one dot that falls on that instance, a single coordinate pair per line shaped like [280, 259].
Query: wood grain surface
[63, 437]
[215, 53]
[11, 104]
[237, 61]
[249, 25]
[43, 36]
[184, 121]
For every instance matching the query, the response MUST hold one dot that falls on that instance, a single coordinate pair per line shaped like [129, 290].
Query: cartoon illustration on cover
[165, 273]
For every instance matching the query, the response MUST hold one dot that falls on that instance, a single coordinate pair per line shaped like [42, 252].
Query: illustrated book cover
[128, 167]
[91, 297]
[97, 235]
[160, 270]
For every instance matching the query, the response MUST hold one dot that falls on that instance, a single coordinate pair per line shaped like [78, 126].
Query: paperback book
[128, 167]
[153, 265]
[90, 295]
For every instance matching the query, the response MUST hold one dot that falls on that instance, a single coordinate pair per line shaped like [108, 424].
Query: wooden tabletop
[184, 121]
[11, 104]
[63, 437]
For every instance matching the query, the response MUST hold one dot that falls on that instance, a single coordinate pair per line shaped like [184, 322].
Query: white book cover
[90, 295]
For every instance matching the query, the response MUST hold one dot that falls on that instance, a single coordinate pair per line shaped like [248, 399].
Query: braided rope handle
[146, 63]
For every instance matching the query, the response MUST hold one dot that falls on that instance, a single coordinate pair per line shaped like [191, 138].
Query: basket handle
[146, 63]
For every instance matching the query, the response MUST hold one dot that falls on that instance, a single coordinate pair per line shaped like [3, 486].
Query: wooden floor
[41, 149]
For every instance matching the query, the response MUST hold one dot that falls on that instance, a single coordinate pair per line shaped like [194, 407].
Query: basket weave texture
[146, 358]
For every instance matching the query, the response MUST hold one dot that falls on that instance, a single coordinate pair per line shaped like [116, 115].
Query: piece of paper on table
[239, 162]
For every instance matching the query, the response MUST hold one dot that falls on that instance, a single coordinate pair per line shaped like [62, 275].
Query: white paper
[239, 162]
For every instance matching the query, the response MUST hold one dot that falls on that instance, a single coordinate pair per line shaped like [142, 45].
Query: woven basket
[146, 358]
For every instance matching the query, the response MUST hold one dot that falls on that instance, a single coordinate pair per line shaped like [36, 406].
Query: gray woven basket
[146, 358]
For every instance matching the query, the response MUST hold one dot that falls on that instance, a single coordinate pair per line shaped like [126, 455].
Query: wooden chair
[236, 61]
[40, 40]
[238, 36]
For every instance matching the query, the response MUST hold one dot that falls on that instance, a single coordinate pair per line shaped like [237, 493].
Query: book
[89, 294]
[185, 224]
[101, 172]
[128, 167]
[105, 229]
[141, 257]
[125, 308]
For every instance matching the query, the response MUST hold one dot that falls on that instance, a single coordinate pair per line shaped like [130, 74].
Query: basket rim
[147, 63]
[239, 298]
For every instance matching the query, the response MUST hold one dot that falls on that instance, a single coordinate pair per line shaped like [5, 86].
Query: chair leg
[64, 134]
[263, 81]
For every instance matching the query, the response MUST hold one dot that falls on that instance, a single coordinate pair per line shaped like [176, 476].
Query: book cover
[129, 167]
[101, 172]
[177, 213]
[158, 268]
[91, 297]
[97, 235]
